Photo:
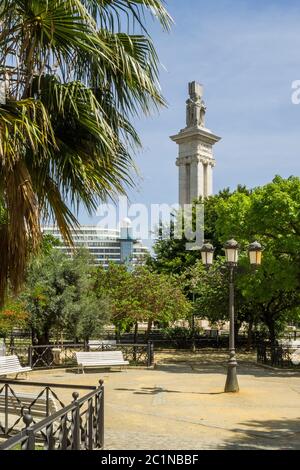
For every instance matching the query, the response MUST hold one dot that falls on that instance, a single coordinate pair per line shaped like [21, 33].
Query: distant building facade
[105, 245]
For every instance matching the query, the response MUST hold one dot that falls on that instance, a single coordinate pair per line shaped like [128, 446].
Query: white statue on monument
[195, 109]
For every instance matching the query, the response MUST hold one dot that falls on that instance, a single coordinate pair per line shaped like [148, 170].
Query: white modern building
[105, 245]
[195, 150]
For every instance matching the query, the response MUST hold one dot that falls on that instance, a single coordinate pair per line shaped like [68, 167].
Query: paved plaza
[180, 404]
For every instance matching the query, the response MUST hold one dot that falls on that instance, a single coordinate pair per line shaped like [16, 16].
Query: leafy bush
[180, 336]
[13, 315]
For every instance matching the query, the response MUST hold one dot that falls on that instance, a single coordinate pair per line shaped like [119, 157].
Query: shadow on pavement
[283, 434]
[244, 368]
[157, 390]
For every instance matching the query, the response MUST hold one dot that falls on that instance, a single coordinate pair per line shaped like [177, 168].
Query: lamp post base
[231, 381]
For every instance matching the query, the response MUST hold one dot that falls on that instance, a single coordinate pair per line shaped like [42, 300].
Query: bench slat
[11, 365]
[102, 358]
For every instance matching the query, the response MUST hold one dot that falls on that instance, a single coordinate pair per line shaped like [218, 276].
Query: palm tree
[70, 82]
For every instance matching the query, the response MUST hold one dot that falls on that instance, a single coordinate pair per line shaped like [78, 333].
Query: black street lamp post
[231, 253]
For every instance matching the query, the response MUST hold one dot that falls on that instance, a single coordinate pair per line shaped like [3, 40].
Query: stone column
[204, 190]
[188, 181]
[182, 183]
[194, 190]
[209, 184]
[200, 179]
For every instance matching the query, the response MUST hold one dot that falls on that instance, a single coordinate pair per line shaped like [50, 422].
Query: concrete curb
[278, 369]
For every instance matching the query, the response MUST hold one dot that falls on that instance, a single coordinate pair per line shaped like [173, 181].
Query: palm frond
[73, 80]
[24, 123]
[108, 12]
[133, 75]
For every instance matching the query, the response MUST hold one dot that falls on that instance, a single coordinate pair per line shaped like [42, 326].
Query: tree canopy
[271, 214]
[171, 255]
[269, 297]
[72, 75]
[59, 297]
[142, 296]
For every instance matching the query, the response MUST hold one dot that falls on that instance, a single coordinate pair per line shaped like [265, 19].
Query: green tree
[271, 215]
[115, 281]
[273, 294]
[170, 253]
[269, 297]
[73, 81]
[12, 315]
[142, 296]
[59, 296]
[210, 290]
[160, 296]
[85, 314]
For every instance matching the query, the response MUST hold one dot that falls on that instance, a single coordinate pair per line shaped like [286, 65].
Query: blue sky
[246, 54]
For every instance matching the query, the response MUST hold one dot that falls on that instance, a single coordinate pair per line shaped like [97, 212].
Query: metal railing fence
[51, 355]
[77, 426]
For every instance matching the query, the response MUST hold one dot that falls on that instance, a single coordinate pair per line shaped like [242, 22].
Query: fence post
[101, 417]
[90, 441]
[29, 444]
[150, 354]
[30, 356]
[47, 401]
[64, 434]
[6, 407]
[76, 423]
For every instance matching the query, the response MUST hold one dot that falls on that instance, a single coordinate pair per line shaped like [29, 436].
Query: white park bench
[100, 359]
[11, 365]
[96, 344]
[293, 347]
[295, 357]
[21, 401]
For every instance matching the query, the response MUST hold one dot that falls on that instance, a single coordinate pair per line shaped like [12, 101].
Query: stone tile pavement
[181, 405]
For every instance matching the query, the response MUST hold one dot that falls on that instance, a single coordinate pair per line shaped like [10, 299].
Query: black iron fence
[16, 400]
[189, 343]
[77, 426]
[217, 342]
[15, 404]
[278, 355]
[63, 355]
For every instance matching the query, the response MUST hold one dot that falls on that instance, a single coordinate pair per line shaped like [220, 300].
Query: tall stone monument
[195, 159]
